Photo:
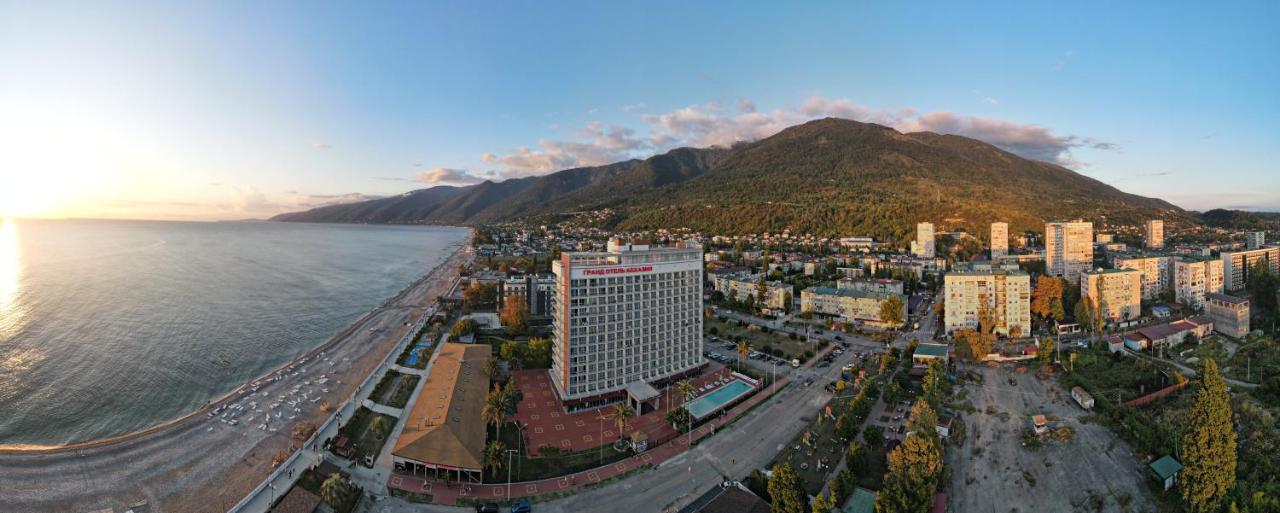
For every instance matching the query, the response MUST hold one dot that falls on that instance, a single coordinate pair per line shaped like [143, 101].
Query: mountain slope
[828, 177]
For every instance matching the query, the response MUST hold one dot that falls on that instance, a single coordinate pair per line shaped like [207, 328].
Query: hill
[1240, 219]
[828, 177]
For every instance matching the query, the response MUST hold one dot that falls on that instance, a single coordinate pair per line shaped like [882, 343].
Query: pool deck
[719, 404]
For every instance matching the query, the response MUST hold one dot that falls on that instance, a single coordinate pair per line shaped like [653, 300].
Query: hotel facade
[1007, 294]
[1068, 249]
[624, 319]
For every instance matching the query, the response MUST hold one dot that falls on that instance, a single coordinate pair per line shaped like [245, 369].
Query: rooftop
[1223, 298]
[445, 427]
[1165, 467]
[934, 350]
[862, 501]
[993, 272]
[828, 291]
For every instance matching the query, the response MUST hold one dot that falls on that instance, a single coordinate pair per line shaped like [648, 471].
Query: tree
[873, 435]
[479, 295]
[762, 291]
[823, 503]
[494, 415]
[786, 490]
[493, 455]
[515, 314]
[685, 389]
[924, 422]
[975, 345]
[1083, 313]
[1208, 444]
[744, 349]
[912, 478]
[679, 418]
[621, 414]
[491, 368]
[334, 490]
[1048, 290]
[786, 302]
[934, 383]
[1044, 353]
[857, 459]
[378, 426]
[891, 311]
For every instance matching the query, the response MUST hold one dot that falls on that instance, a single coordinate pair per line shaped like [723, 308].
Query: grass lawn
[310, 482]
[394, 389]
[760, 340]
[526, 468]
[360, 430]
[1257, 358]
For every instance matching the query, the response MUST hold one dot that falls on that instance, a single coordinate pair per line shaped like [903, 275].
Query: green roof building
[1165, 470]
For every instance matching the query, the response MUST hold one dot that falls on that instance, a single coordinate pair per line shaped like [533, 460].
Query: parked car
[521, 507]
[488, 507]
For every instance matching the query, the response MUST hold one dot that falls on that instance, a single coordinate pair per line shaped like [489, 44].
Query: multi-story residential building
[1157, 272]
[623, 319]
[537, 291]
[1195, 277]
[1006, 293]
[880, 285]
[1255, 240]
[924, 245]
[849, 305]
[1154, 234]
[740, 285]
[1237, 266]
[1068, 249]
[1117, 292]
[1230, 314]
[1005, 263]
[999, 240]
[1103, 238]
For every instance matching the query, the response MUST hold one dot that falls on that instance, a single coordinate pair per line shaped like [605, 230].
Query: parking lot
[993, 472]
[726, 352]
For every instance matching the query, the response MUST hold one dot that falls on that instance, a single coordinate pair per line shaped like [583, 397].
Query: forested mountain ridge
[829, 177]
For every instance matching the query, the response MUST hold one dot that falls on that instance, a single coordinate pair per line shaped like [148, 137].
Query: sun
[47, 167]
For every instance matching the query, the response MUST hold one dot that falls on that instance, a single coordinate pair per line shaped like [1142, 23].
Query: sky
[236, 110]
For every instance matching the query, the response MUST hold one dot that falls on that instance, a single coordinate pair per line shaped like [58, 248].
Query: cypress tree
[1208, 445]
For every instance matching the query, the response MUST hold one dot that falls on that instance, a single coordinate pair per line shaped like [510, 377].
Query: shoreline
[240, 390]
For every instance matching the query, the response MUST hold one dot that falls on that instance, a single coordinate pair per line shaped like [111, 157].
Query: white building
[1117, 292]
[1157, 272]
[924, 245]
[879, 285]
[1237, 266]
[848, 305]
[629, 316]
[1230, 314]
[1255, 240]
[1195, 277]
[1007, 294]
[1154, 234]
[999, 240]
[1068, 249]
[738, 286]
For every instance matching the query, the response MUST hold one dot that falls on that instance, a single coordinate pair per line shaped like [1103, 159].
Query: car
[1013, 382]
[521, 507]
[838, 338]
[487, 507]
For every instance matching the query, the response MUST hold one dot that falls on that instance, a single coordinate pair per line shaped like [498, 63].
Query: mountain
[1240, 219]
[828, 177]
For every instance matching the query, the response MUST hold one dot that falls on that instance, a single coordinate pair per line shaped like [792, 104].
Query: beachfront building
[880, 285]
[1153, 234]
[1116, 292]
[999, 240]
[848, 305]
[923, 246]
[1255, 240]
[1006, 293]
[1230, 314]
[738, 286]
[1237, 266]
[1156, 271]
[1195, 277]
[444, 434]
[1068, 249]
[625, 319]
[536, 290]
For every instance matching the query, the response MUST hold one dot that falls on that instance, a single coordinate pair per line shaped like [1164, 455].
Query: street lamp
[509, 453]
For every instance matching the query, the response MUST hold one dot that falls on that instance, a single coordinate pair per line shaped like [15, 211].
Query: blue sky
[242, 109]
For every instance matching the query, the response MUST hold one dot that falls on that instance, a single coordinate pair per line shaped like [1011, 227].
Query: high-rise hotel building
[624, 319]
[1068, 249]
[999, 240]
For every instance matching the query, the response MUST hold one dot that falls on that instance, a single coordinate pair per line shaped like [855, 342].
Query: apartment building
[1195, 277]
[1006, 293]
[1153, 234]
[1237, 266]
[878, 285]
[924, 245]
[1255, 240]
[625, 318]
[537, 291]
[740, 285]
[1230, 314]
[858, 306]
[1068, 249]
[1157, 272]
[999, 240]
[1117, 292]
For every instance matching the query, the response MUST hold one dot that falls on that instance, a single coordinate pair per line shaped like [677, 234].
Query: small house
[1165, 470]
[944, 426]
[928, 352]
[1039, 424]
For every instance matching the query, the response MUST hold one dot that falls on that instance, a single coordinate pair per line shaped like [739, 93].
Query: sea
[108, 327]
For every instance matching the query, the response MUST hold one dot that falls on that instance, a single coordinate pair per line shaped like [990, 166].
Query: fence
[1157, 395]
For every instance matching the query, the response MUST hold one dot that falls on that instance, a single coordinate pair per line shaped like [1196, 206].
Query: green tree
[762, 291]
[912, 478]
[824, 503]
[892, 309]
[679, 419]
[787, 491]
[685, 389]
[621, 414]
[1208, 444]
[1044, 353]
[924, 422]
[493, 455]
[934, 384]
[491, 368]
[857, 458]
[744, 349]
[333, 491]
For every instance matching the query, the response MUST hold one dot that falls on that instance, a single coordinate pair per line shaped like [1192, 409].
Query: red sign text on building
[617, 270]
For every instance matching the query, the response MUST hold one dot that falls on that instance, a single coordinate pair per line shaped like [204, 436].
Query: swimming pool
[714, 401]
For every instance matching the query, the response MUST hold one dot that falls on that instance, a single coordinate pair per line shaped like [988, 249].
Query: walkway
[443, 492]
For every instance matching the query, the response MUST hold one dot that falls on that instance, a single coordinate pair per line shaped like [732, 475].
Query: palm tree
[493, 455]
[743, 350]
[685, 389]
[491, 368]
[378, 426]
[622, 412]
[495, 416]
[333, 491]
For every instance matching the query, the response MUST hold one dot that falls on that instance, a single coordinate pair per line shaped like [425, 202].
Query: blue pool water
[708, 404]
[413, 355]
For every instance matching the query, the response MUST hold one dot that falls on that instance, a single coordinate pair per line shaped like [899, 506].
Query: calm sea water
[111, 326]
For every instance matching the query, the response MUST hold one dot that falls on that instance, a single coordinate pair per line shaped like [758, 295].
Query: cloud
[301, 200]
[447, 176]
[634, 107]
[710, 124]
[322, 146]
[988, 100]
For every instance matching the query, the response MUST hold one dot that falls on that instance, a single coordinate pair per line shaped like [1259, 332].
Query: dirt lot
[993, 472]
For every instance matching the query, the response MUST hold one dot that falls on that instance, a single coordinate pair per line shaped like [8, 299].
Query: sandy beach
[208, 460]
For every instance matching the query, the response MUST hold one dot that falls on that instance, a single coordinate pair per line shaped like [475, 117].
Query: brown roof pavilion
[445, 428]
